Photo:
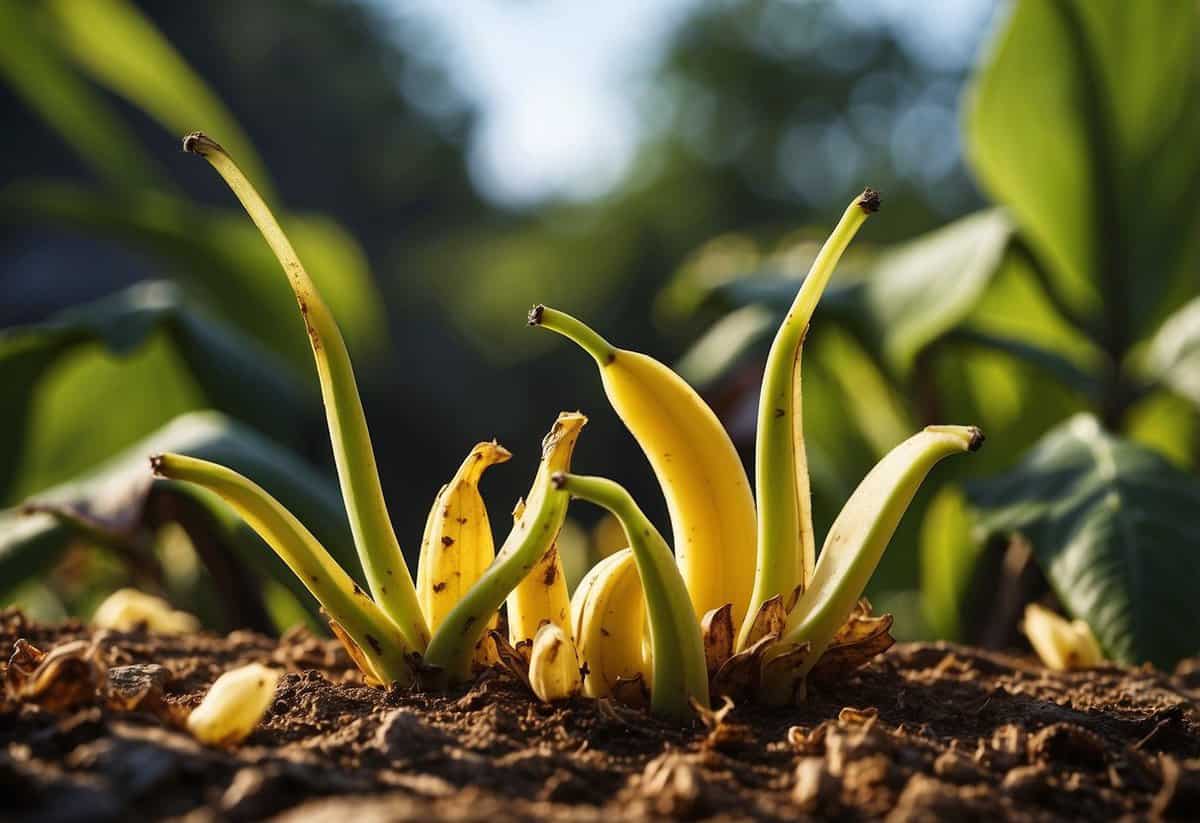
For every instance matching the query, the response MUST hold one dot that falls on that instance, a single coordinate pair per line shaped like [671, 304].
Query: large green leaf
[900, 303]
[221, 256]
[1114, 529]
[37, 71]
[112, 504]
[120, 48]
[96, 377]
[1083, 123]
[925, 288]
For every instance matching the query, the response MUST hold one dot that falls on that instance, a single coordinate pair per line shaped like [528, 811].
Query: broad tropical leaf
[117, 502]
[1114, 529]
[158, 356]
[1095, 160]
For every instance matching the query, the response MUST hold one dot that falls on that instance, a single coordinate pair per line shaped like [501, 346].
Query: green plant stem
[384, 646]
[387, 574]
[677, 649]
[786, 546]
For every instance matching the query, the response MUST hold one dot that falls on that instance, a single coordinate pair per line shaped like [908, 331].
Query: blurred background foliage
[1034, 271]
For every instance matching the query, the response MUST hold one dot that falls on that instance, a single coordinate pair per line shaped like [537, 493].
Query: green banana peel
[380, 642]
[677, 661]
[786, 549]
[452, 647]
[387, 574]
[858, 537]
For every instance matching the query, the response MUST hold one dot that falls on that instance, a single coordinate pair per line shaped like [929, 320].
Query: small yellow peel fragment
[554, 665]
[234, 705]
[1061, 644]
[127, 609]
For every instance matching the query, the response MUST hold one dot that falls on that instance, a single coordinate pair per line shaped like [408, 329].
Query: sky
[557, 82]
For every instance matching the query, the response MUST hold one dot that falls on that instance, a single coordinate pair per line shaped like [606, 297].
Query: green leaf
[948, 555]
[115, 496]
[1113, 527]
[34, 68]
[96, 377]
[121, 49]
[901, 302]
[1083, 124]
[920, 291]
[222, 258]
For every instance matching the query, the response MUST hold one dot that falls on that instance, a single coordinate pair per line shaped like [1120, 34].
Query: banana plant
[765, 610]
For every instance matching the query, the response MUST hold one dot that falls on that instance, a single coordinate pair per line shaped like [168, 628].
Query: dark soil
[925, 732]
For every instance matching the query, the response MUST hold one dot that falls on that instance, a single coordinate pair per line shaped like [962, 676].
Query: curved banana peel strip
[679, 674]
[861, 532]
[608, 620]
[786, 549]
[381, 642]
[453, 644]
[705, 485]
[1062, 645]
[383, 563]
[457, 546]
[554, 671]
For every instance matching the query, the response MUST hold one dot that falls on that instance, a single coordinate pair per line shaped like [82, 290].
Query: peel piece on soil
[63, 678]
[128, 609]
[554, 671]
[1061, 644]
[234, 705]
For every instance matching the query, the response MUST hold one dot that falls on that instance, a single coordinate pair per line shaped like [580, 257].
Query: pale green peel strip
[534, 531]
[384, 647]
[387, 574]
[861, 532]
[677, 649]
[786, 545]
